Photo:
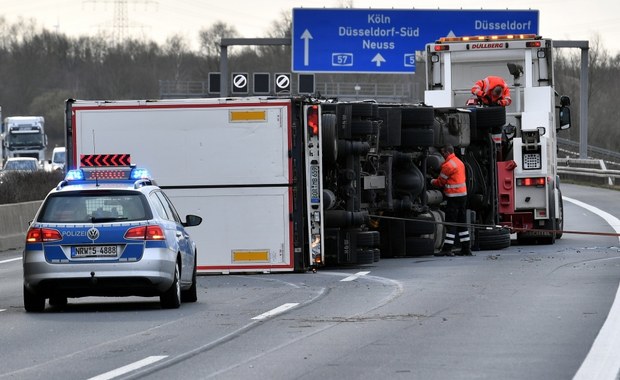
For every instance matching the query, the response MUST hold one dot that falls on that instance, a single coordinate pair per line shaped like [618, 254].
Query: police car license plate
[95, 251]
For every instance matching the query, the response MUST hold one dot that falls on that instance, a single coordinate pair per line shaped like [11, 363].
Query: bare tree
[210, 38]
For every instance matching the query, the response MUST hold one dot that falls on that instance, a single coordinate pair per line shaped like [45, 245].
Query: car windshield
[27, 165]
[93, 207]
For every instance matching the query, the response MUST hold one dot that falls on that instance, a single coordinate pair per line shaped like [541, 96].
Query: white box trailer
[232, 161]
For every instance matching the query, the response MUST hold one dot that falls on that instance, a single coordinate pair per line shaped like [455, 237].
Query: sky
[593, 20]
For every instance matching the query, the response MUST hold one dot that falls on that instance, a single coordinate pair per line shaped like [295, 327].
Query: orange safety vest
[489, 83]
[452, 177]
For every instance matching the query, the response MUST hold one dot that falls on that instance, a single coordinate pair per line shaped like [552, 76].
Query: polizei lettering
[74, 233]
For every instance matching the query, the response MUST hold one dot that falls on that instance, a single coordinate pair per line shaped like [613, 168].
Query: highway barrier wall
[14, 221]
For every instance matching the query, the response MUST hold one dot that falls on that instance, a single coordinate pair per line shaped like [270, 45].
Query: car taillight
[145, 233]
[42, 235]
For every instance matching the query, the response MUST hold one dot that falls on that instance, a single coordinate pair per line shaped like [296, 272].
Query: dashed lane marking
[354, 276]
[277, 310]
[128, 368]
[10, 260]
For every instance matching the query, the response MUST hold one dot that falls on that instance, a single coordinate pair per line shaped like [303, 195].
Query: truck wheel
[559, 222]
[420, 225]
[417, 137]
[364, 110]
[417, 116]
[363, 128]
[419, 246]
[440, 229]
[492, 239]
[367, 239]
[329, 138]
[365, 256]
[487, 117]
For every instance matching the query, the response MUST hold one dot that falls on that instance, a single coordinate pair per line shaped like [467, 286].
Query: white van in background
[58, 158]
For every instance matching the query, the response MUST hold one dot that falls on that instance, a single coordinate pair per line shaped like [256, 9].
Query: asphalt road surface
[526, 312]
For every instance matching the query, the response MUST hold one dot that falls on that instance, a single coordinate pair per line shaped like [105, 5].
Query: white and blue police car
[108, 231]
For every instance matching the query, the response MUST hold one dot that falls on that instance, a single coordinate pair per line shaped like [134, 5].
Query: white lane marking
[354, 276]
[128, 368]
[1, 310]
[10, 260]
[602, 362]
[277, 310]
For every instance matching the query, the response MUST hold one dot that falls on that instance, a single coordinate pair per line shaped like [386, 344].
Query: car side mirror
[564, 101]
[192, 220]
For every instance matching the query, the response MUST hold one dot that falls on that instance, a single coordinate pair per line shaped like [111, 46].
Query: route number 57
[342, 59]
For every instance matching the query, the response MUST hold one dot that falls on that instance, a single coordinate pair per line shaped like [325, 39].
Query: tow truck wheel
[559, 222]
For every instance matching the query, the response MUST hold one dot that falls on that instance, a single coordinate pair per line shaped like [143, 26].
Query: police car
[108, 231]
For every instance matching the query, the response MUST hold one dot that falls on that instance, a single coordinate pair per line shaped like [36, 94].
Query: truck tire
[417, 137]
[365, 256]
[559, 222]
[487, 117]
[419, 246]
[368, 239]
[492, 239]
[440, 228]
[363, 128]
[417, 116]
[329, 138]
[364, 110]
[420, 225]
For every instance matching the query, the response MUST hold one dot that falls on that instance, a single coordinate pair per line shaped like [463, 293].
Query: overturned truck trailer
[292, 184]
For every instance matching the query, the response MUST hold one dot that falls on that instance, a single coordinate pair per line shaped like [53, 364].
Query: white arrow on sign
[306, 36]
[378, 59]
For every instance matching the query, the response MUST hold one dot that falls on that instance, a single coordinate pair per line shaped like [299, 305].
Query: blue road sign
[386, 40]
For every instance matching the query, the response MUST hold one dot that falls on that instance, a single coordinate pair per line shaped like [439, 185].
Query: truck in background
[24, 136]
[519, 155]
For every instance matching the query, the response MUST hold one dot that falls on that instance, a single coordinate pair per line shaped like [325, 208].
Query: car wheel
[191, 294]
[58, 301]
[171, 298]
[32, 302]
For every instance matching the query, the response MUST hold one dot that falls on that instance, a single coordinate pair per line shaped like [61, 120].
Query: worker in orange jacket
[452, 180]
[492, 91]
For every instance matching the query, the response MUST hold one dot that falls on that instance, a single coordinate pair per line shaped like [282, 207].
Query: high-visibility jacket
[483, 90]
[452, 177]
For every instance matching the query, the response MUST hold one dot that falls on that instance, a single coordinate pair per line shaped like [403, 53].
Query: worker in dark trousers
[452, 180]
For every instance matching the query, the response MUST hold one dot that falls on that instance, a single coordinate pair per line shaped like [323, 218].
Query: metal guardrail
[587, 168]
